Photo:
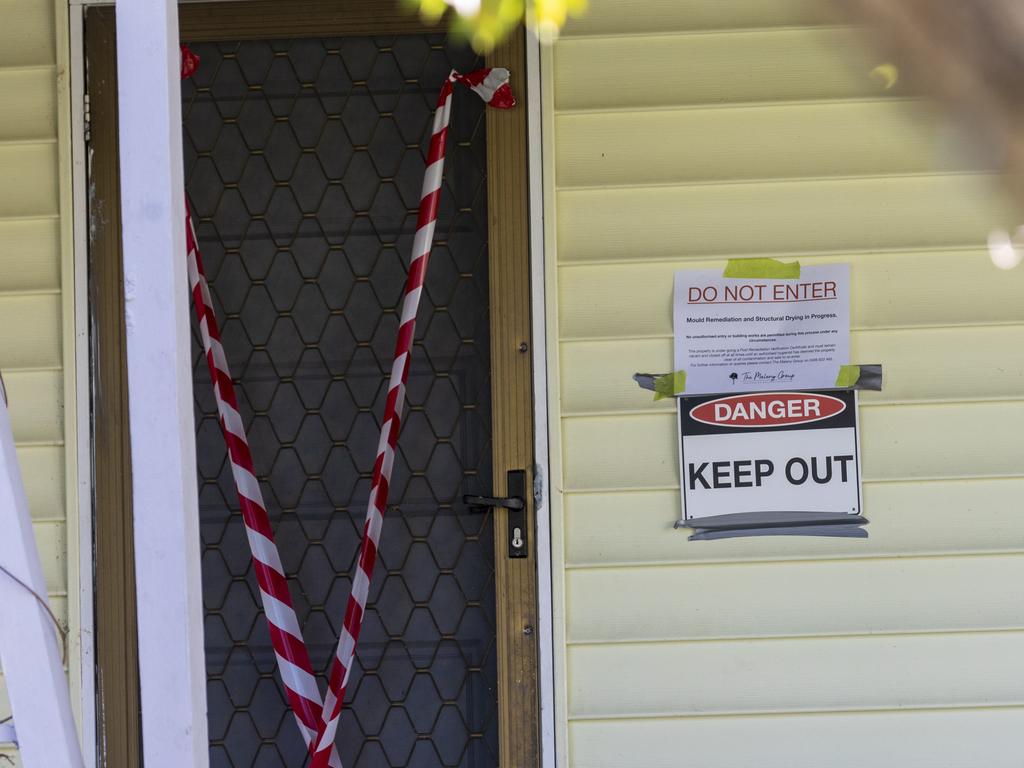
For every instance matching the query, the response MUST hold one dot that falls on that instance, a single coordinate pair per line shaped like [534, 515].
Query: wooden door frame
[519, 731]
[118, 717]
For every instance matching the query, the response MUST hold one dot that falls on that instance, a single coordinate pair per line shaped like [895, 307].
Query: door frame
[518, 366]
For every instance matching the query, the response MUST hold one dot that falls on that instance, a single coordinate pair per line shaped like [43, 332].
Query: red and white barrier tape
[318, 722]
[492, 86]
[285, 635]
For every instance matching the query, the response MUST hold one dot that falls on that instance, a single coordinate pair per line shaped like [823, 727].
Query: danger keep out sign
[769, 452]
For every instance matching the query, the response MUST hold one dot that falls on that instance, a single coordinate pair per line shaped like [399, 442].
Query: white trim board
[539, 343]
[75, 272]
[551, 396]
[172, 669]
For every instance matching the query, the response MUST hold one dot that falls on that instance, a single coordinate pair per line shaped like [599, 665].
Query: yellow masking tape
[848, 375]
[772, 269]
[670, 385]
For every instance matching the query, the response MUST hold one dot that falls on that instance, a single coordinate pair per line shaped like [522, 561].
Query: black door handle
[483, 503]
[516, 506]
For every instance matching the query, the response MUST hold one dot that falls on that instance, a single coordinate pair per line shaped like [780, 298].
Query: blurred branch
[485, 23]
[969, 54]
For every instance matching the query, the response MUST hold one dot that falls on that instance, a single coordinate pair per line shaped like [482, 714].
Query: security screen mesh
[303, 162]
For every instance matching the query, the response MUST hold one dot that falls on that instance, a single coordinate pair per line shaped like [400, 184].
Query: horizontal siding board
[631, 16]
[30, 179]
[944, 364]
[899, 442]
[923, 288]
[29, 96]
[943, 441]
[972, 362]
[756, 142]
[807, 216]
[914, 518]
[35, 401]
[27, 36]
[30, 331]
[52, 544]
[30, 258]
[955, 738]
[42, 471]
[671, 70]
[836, 597]
[610, 453]
[797, 675]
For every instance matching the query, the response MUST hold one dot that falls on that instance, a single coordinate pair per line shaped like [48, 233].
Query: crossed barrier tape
[318, 718]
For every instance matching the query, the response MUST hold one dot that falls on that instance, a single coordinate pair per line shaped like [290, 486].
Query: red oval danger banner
[767, 409]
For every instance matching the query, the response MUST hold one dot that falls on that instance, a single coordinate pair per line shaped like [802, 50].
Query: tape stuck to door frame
[770, 269]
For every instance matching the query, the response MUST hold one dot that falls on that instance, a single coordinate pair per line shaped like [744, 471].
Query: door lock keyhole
[515, 509]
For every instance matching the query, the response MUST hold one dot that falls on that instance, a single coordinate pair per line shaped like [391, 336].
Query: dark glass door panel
[303, 162]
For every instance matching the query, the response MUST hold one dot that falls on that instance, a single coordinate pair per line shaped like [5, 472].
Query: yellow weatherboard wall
[36, 290]
[681, 133]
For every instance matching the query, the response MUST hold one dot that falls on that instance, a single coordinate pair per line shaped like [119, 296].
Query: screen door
[303, 164]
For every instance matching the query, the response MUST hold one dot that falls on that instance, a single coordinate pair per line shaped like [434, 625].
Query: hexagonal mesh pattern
[304, 160]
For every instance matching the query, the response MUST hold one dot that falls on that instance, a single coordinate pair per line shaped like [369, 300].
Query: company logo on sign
[767, 409]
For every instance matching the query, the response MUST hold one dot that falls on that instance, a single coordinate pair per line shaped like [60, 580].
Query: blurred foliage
[966, 53]
[485, 23]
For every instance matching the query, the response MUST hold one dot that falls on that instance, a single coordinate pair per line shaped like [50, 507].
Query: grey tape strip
[646, 380]
[773, 519]
[870, 378]
[834, 531]
[780, 523]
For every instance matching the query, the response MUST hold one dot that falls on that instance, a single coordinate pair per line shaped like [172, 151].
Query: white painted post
[29, 653]
[7, 733]
[164, 490]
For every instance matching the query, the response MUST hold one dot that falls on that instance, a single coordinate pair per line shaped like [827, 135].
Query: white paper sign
[769, 452]
[742, 335]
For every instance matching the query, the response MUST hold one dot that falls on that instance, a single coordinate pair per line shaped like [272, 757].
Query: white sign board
[757, 334]
[770, 453]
